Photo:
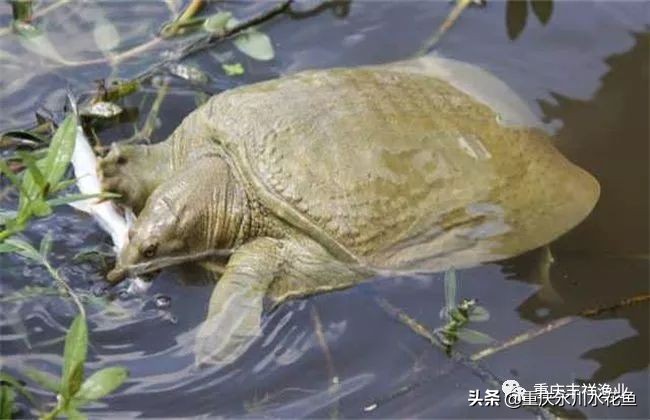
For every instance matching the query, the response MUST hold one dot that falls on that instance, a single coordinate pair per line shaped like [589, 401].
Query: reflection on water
[588, 67]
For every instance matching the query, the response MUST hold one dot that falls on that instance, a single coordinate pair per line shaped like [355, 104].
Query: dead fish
[107, 213]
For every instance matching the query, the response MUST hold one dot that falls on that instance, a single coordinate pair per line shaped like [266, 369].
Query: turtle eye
[150, 251]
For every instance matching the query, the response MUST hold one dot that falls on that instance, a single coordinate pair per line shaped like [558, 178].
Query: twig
[331, 371]
[203, 43]
[144, 133]
[210, 39]
[175, 27]
[65, 286]
[188, 49]
[451, 19]
[318, 327]
[455, 355]
[557, 323]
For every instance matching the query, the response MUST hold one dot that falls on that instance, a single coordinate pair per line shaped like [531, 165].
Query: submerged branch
[458, 357]
[557, 323]
[64, 286]
[318, 328]
[451, 19]
[331, 371]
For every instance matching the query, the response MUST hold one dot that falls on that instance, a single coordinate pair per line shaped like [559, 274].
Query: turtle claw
[226, 335]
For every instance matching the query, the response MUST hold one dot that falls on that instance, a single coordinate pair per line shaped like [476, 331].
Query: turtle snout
[117, 275]
[128, 257]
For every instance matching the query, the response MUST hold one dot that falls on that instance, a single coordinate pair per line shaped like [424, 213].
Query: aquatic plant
[40, 181]
[71, 390]
[458, 315]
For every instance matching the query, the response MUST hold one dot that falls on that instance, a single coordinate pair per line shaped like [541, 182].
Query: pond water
[586, 71]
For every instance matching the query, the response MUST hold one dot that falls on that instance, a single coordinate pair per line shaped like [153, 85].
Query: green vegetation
[458, 315]
[40, 181]
[71, 390]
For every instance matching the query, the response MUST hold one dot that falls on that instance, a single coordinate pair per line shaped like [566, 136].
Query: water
[586, 72]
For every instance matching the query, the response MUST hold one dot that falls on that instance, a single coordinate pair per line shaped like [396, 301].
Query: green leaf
[33, 39]
[5, 247]
[52, 166]
[74, 357]
[27, 135]
[76, 379]
[235, 69]
[217, 22]
[7, 397]
[479, 314]
[5, 377]
[106, 36]
[45, 379]
[62, 185]
[24, 248]
[40, 208]
[33, 169]
[102, 383]
[516, 16]
[474, 337]
[543, 9]
[255, 44]
[252, 42]
[46, 245]
[60, 150]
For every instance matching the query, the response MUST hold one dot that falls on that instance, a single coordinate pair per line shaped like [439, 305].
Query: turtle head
[197, 215]
[155, 239]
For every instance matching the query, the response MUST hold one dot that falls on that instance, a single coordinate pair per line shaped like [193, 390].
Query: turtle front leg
[263, 268]
[134, 172]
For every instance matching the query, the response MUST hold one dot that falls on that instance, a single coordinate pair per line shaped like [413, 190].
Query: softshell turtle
[324, 178]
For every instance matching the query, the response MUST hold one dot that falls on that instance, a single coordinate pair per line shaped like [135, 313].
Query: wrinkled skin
[320, 180]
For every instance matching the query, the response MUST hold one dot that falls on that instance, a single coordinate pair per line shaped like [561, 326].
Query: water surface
[586, 71]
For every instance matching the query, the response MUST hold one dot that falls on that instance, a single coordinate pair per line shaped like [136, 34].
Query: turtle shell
[397, 169]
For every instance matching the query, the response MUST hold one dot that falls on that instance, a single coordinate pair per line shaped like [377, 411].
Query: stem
[455, 13]
[192, 9]
[145, 132]
[22, 10]
[174, 27]
[38, 13]
[318, 328]
[331, 371]
[209, 40]
[557, 323]
[65, 286]
[54, 413]
[455, 355]
[186, 50]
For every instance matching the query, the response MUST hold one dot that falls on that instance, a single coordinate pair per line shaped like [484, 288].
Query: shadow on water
[604, 259]
[585, 69]
[607, 255]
